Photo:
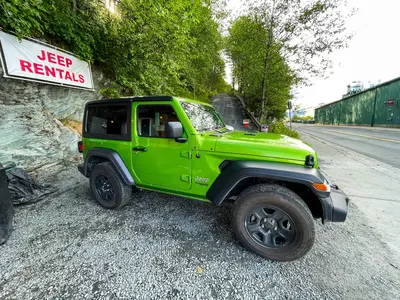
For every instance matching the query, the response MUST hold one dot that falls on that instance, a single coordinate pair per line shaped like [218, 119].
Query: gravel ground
[165, 247]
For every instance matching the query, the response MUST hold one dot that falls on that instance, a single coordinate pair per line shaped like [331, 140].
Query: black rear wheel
[273, 222]
[104, 187]
[108, 188]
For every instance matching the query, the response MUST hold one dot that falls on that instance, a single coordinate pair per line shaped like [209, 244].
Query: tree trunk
[267, 52]
[263, 100]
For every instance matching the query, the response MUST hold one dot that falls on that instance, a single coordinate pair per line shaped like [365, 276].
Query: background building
[376, 106]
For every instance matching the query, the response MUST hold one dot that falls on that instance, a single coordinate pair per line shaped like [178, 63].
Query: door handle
[139, 148]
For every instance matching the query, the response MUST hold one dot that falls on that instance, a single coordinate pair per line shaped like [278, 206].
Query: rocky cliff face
[232, 112]
[30, 131]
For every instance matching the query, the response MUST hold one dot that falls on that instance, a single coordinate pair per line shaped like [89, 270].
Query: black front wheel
[273, 222]
[108, 188]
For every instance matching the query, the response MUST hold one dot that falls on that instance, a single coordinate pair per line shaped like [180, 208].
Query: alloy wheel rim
[270, 226]
[104, 187]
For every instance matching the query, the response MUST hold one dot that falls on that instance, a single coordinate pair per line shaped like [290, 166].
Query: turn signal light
[320, 186]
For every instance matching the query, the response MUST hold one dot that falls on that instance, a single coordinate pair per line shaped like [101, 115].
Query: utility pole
[290, 113]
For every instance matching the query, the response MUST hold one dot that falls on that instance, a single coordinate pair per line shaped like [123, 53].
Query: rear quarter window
[108, 122]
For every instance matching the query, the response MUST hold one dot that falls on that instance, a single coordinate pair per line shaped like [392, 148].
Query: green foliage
[306, 32]
[245, 46]
[305, 118]
[146, 47]
[278, 44]
[280, 128]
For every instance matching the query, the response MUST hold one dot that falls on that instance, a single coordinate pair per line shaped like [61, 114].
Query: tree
[145, 47]
[244, 44]
[302, 33]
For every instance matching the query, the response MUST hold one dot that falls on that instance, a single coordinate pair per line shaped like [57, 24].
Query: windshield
[202, 117]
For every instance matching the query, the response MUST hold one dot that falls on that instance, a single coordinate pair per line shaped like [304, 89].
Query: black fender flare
[236, 171]
[111, 156]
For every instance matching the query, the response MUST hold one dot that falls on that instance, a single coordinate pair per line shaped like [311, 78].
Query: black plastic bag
[6, 208]
[24, 188]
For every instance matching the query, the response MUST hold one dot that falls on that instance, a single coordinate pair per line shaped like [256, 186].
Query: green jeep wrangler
[182, 147]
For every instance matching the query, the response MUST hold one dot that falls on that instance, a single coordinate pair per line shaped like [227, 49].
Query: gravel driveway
[165, 247]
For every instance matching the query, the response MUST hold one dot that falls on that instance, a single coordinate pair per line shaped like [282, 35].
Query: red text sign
[29, 60]
[390, 102]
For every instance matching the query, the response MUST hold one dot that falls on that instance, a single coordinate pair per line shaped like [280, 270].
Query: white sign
[34, 61]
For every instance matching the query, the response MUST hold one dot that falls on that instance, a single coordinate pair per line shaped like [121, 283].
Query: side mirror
[229, 128]
[175, 130]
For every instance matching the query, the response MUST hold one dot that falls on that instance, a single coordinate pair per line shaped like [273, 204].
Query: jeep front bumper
[335, 206]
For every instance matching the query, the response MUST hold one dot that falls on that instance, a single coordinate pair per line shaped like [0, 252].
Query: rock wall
[30, 131]
[232, 112]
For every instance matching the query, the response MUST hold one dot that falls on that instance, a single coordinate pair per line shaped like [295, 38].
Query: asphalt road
[365, 162]
[379, 143]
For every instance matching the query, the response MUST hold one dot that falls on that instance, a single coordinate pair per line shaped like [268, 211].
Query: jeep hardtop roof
[130, 99]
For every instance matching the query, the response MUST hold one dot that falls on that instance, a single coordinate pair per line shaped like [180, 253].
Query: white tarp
[34, 61]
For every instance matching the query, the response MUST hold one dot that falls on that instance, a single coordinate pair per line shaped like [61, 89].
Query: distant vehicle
[264, 128]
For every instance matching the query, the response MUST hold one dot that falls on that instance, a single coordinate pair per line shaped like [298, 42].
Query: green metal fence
[378, 106]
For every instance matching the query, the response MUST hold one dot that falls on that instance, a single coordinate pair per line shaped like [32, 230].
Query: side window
[110, 120]
[152, 120]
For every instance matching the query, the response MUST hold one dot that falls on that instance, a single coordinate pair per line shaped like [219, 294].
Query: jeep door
[158, 160]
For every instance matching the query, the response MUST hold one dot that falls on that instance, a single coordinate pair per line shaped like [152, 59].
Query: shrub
[280, 128]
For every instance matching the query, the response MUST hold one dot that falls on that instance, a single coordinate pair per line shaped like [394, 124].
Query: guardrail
[249, 113]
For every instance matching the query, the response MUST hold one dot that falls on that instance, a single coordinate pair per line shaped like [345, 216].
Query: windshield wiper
[217, 129]
[220, 131]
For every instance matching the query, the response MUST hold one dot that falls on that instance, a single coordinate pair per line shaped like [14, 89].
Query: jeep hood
[273, 146]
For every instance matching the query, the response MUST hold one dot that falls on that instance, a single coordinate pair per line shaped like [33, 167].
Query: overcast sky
[373, 53]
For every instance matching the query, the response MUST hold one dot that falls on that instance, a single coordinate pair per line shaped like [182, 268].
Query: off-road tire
[121, 192]
[286, 201]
